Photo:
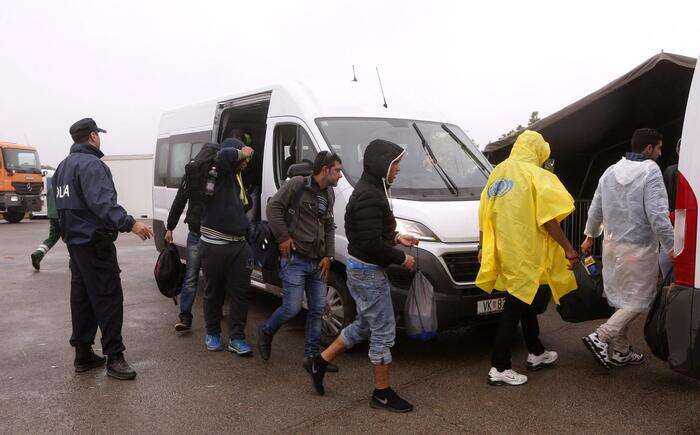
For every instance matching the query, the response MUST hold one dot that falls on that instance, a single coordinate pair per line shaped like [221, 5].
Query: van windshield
[20, 160]
[456, 173]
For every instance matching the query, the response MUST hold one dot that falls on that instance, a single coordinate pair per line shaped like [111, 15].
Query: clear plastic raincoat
[518, 255]
[630, 207]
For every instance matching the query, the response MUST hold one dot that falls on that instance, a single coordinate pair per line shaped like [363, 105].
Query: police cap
[84, 127]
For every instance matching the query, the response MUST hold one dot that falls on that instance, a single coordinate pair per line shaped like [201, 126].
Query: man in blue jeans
[191, 193]
[307, 241]
[371, 231]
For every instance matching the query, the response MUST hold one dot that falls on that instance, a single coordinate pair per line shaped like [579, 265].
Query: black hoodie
[369, 222]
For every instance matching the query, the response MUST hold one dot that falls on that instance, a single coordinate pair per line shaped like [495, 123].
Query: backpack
[196, 173]
[262, 240]
[169, 272]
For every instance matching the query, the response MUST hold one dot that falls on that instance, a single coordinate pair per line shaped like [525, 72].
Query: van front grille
[463, 266]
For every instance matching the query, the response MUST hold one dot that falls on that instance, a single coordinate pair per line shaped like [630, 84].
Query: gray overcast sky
[487, 66]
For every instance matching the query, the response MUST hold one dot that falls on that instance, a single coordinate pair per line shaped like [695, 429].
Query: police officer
[90, 219]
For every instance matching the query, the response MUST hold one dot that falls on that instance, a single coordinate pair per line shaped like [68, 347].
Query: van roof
[16, 145]
[311, 101]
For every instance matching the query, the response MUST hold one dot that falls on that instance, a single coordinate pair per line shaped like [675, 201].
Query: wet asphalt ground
[182, 388]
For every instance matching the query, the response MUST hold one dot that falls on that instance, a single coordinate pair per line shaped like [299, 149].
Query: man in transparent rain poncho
[630, 208]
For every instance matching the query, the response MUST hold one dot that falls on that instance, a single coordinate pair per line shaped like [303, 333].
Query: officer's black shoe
[36, 259]
[330, 367]
[118, 368]
[264, 343]
[184, 324]
[86, 359]
[389, 400]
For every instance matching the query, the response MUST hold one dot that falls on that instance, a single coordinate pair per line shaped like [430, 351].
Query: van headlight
[415, 229]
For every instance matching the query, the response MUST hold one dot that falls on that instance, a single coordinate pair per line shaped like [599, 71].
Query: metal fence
[576, 223]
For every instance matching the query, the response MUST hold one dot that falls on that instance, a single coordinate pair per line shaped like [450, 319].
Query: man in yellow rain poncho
[522, 247]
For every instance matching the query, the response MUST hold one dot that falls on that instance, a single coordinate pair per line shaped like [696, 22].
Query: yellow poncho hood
[518, 255]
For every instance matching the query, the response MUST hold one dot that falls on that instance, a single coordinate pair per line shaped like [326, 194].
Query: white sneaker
[546, 359]
[598, 348]
[630, 358]
[506, 377]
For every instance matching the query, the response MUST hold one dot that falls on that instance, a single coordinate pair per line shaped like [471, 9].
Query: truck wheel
[14, 215]
[340, 308]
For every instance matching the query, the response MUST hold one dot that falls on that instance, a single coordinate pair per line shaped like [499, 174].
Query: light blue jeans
[369, 287]
[299, 275]
[189, 285]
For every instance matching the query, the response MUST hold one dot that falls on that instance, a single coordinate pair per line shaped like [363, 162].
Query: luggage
[169, 272]
[588, 301]
[420, 310]
[683, 330]
[655, 325]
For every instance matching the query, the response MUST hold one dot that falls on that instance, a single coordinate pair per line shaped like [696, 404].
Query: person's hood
[207, 152]
[379, 156]
[86, 149]
[232, 143]
[530, 147]
[626, 171]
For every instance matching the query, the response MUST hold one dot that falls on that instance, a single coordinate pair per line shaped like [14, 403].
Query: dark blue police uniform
[90, 219]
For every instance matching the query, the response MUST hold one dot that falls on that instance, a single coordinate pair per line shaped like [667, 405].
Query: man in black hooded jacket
[371, 231]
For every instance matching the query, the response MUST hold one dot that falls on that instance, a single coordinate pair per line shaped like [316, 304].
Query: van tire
[14, 216]
[338, 300]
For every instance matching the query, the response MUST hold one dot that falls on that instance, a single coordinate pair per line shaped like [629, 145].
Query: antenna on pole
[381, 87]
[354, 77]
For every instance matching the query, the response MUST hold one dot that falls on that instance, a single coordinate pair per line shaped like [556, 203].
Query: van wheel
[14, 215]
[340, 308]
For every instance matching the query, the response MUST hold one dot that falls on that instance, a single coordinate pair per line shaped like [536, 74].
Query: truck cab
[21, 181]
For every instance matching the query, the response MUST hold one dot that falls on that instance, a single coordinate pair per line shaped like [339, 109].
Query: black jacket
[225, 212]
[369, 222]
[86, 200]
[189, 193]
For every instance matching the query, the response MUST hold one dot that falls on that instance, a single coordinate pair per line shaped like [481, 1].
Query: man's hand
[142, 230]
[573, 258]
[247, 151]
[409, 263]
[324, 266]
[587, 246]
[287, 247]
[407, 240]
[169, 236]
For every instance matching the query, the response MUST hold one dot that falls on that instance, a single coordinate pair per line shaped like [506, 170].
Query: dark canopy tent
[591, 134]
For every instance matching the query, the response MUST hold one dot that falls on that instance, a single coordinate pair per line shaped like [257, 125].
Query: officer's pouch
[103, 240]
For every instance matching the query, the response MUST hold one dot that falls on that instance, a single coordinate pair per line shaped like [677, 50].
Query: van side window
[179, 156]
[161, 165]
[196, 148]
[292, 145]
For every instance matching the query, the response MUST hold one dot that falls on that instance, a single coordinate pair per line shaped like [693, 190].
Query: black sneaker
[86, 359]
[36, 259]
[264, 343]
[317, 372]
[330, 367]
[185, 323]
[118, 368]
[389, 400]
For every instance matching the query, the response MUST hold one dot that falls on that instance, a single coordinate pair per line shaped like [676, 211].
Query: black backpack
[262, 240]
[197, 171]
[169, 272]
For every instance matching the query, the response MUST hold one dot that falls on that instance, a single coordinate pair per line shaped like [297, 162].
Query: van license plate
[490, 306]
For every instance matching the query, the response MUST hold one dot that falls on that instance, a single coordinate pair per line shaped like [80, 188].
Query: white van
[290, 123]
[686, 267]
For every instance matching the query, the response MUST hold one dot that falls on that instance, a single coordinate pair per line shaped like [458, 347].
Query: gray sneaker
[629, 358]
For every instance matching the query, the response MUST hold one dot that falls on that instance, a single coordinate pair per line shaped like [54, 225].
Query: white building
[133, 179]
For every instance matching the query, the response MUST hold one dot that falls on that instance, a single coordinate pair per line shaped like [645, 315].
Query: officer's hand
[169, 236]
[573, 258]
[324, 267]
[287, 247]
[247, 151]
[409, 263]
[142, 230]
[587, 246]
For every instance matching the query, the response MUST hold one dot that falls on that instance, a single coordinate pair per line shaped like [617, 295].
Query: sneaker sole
[386, 408]
[87, 367]
[496, 383]
[181, 328]
[121, 376]
[248, 353]
[592, 348]
[626, 364]
[215, 349]
[540, 366]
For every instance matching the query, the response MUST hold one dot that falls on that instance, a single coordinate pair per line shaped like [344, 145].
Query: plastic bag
[420, 310]
[588, 301]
